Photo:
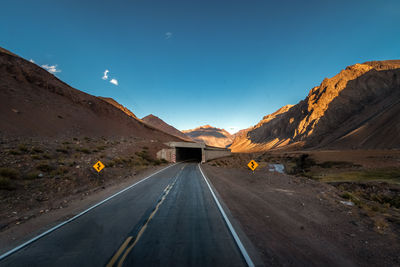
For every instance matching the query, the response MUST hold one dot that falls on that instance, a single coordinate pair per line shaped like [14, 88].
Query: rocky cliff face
[158, 123]
[210, 136]
[357, 108]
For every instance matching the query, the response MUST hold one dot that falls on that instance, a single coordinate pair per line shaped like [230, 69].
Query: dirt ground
[299, 221]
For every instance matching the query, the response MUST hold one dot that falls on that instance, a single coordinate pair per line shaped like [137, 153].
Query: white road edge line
[8, 253]
[228, 223]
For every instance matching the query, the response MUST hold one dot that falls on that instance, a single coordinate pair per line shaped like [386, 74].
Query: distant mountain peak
[158, 123]
[210, 135]
[150, 116]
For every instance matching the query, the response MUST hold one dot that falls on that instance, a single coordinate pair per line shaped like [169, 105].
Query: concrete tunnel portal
[188, 153]
[200, 152]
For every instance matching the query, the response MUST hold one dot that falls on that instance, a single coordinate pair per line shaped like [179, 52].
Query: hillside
[35, 103]
[357, 109]
[119, 106]
[158, 123]
[210, 135]
[52, 134]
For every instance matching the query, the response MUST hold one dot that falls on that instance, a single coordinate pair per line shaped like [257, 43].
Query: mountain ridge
[158, 123]
[210, 135]
[37, 104]
[119, 106]
[339, 113]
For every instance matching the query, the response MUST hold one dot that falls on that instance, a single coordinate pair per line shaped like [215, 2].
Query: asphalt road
[170, 219]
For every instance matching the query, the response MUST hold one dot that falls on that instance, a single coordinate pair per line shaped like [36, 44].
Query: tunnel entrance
[188, 153]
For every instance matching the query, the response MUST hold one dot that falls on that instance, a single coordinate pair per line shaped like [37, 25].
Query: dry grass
[389, 175]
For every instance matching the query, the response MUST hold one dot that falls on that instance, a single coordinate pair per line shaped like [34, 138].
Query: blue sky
[223, 63]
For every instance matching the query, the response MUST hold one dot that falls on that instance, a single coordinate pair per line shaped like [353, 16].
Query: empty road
[169, 219]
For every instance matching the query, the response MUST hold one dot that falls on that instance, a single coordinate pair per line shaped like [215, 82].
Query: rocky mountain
[357, 109]
[165, 127]
[35, 103]
[210, 135]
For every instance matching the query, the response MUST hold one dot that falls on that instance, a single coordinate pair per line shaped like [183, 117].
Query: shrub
[23, 148]
[301, 165]
[144, 155]
[100, 148]
[60, 171]
[37, 150]
[120, 160]
[5, 183]
[62, 150]
[84, 150]
[44, 167]
[46, 156]
[339, 164]
[304, 162]
[14, 152]
[8, 173]
[346, 195]
[31, 176]
[110, 164]
[395, 202]
[36, 157]
[157, 162]
[352, 197]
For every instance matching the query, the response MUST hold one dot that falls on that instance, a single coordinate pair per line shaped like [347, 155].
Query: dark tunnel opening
[188, 153]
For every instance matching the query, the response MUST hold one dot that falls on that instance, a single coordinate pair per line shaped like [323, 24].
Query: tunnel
[188, 153]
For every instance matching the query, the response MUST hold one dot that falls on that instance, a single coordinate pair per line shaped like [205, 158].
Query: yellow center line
[128, 250]
[120, 250]
[141, 231]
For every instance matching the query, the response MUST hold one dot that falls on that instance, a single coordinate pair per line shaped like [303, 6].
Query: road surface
[169, 219]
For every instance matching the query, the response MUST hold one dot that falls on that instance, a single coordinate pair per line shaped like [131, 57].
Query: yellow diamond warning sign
[252, 165]
[98, 166]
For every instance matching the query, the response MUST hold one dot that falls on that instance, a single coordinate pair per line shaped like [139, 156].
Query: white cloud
[31, 60]
[52, 69]
[114, 81]
[168, 35]
[105, 76]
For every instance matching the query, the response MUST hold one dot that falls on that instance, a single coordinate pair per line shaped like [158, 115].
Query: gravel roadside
[294, 221]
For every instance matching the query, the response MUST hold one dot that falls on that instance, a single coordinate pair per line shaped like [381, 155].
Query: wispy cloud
[168, 35]
[52, 69]
[114, 81]
[31, 60]
[105, 75]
